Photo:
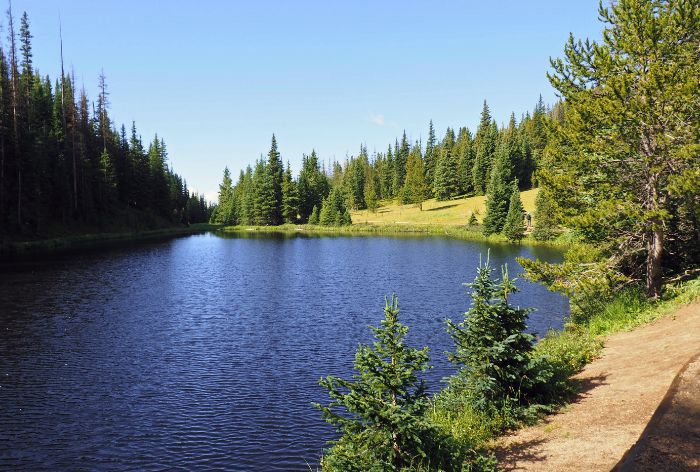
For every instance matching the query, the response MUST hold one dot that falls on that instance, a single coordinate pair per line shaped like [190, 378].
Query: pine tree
[514, 228]
[371, 194]
[415, 188]
[108, 179]
[225, 209]
[290, 197]
[314, 217]
[275, 169]
[485, 145]
[430, 157]
[400, 159]
[628, 143]
[313, 186]
[491, 345]
[465, 162]
[381, 411]
[263, 195]
[446, 180]
[388, 190]
[333, 210]
[499, 193]
[158, 184]
[545, 223]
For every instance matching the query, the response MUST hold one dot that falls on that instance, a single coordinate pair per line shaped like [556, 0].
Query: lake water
[204, 352]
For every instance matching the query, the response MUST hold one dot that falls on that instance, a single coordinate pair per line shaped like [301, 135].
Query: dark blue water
[204, 353]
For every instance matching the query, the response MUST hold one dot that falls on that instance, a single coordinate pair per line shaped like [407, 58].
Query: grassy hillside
[451, 212]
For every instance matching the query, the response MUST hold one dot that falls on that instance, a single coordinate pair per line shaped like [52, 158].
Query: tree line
[64, 163]
[462, 163]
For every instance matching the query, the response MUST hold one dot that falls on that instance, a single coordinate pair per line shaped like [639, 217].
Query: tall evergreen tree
[499, 192]
[263, 194]
[514, 228]
[313, 186]
[333, 210]
[628, 143]
[290, 197]
[484, 144]
[446, 179]
[276, 170]
[400, 159]
[545, 223]
[415, 188]
[225, 209]
[465, 162]
[430, 157]
[370, 194]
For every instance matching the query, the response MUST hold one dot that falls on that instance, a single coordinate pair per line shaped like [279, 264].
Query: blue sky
[215, 79]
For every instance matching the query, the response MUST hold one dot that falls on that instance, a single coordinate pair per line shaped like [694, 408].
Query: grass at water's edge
[570, 349]
[628, 310]
[464, 233]
[13, 250]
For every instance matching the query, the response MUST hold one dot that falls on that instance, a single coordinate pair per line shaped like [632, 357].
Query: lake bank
[463, 233]
[10, 250]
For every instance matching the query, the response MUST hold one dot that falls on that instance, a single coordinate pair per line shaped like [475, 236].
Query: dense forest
[64, 164]
[493, 160]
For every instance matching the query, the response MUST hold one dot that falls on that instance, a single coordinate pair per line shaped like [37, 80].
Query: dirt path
[671, 440]
[620, 393]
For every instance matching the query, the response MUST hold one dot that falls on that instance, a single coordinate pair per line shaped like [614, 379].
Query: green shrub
[381, 412]
[491, 346]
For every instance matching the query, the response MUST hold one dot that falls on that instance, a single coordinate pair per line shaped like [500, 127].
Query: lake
[204, 352]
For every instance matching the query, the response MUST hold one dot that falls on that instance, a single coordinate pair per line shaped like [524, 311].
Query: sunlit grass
[445, 213]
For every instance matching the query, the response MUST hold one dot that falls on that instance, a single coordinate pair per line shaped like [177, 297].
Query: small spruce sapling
[491, 346]
[381, 411]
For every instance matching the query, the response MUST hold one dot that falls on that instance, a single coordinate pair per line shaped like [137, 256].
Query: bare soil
[671, 440]
[619, 393]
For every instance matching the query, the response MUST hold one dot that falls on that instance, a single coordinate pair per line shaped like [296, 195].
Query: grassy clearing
[447, 213]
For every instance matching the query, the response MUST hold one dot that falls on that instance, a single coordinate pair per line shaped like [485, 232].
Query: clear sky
[215, 79]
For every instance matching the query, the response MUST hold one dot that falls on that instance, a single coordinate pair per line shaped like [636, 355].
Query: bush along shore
[10, 250]
[505, 379]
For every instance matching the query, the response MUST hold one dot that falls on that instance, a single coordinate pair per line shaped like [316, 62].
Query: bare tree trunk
[2, 177]
[655, 246]
[15, 118]
[19, 197]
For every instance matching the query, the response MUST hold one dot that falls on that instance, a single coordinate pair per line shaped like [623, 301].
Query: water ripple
[204, 353]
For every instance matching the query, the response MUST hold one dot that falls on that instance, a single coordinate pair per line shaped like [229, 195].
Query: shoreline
[16, 250]
[362, 229]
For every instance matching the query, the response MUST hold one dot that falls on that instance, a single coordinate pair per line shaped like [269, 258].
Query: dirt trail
[619, 394]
